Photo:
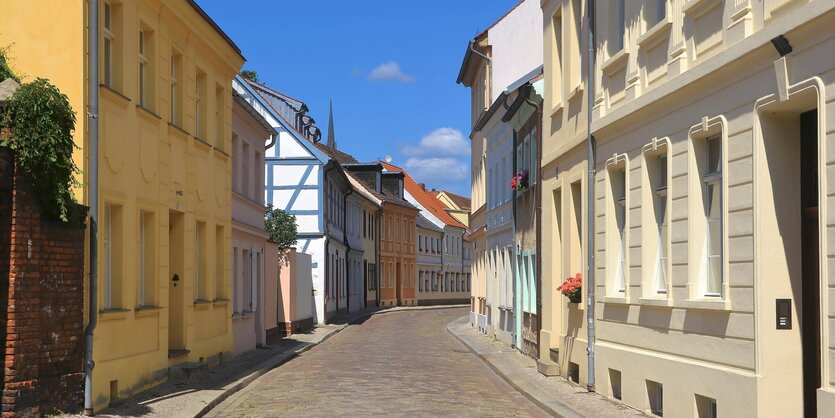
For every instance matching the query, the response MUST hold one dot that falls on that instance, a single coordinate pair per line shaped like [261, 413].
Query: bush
[5, 71]
[42, 123]
[281, 225]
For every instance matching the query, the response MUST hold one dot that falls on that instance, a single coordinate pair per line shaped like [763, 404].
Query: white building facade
[295, 180]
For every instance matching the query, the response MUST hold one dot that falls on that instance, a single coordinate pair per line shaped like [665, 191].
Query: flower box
[572, 288]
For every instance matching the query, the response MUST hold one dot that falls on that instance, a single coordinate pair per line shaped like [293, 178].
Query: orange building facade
[398, 260]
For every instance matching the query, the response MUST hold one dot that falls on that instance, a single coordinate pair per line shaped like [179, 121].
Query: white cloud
[438, 170]
[390, 71]
[442, 142]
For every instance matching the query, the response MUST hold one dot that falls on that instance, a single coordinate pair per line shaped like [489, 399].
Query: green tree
[281, 225]
[251, 75]
[42, 122]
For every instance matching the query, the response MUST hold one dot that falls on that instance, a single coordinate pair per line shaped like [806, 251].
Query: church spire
[331, 136]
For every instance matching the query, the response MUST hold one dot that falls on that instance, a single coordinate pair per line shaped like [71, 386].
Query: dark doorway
[810, 290]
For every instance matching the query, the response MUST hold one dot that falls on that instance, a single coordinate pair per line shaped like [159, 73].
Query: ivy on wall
[41, 122]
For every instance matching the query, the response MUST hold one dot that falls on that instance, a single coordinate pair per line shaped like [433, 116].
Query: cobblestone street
[396, 364]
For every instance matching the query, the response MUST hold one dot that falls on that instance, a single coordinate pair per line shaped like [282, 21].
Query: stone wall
[41, 301]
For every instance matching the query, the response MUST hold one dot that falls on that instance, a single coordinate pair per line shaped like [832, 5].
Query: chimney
[422, 186]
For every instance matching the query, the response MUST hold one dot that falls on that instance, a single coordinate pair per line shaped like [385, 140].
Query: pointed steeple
[331, 136]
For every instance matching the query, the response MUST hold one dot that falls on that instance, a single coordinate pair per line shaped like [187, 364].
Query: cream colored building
[712, 249]
[563, 338]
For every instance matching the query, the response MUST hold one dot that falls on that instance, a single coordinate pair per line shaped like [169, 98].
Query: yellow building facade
[164, 227]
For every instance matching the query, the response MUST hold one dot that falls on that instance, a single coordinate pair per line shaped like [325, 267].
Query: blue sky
[389, 66]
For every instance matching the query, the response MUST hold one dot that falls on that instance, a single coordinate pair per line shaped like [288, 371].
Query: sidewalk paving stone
[554, 394]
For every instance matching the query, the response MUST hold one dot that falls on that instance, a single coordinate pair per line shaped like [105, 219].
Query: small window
[655, 395]
[111, 48]
[614, 379]
[712, 186]
[143, 69]
[220, 129]
[199, 261]
[662, 224]
[705, 407]
[200, 105]
[220, 264]
[113, 239]
[147, 265]
[176, 90]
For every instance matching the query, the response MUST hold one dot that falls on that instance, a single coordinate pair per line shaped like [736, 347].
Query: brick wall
[41, 302]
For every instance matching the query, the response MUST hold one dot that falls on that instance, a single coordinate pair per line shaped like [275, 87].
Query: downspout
[590, 145]
[93, 115]
[347, 251]
[537, 218]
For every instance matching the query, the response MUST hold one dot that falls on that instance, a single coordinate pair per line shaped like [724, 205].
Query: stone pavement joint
[553, 394]
[404, 364]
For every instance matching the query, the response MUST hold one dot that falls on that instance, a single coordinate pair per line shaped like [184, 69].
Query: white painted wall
[517, 46]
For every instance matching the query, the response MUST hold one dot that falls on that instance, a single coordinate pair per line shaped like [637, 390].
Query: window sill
[242, 315]
[716, 304]
[661, 29]
[578, 90]
[197, 140]
[202, 304]
[660, 301]
[616, 300]
[615, 63]
[143, 311]
[221, 152]
[178, 129]
[148, 113]
[696, 6]
[114, 93]
[113, 314]
[557, 108]
[220, 302]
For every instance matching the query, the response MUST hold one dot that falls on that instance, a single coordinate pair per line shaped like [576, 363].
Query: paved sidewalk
[554, 394]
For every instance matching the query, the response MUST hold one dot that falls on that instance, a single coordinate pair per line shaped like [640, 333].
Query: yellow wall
[147, 164]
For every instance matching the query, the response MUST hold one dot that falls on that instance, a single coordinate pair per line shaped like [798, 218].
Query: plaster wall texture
[516, 44]
[170, 169]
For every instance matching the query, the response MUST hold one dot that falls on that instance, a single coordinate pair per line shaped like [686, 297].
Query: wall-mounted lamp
[782, 45]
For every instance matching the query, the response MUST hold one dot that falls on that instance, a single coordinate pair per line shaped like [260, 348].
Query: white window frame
[109, 41]
[713, 179]
[657, 237]
[143, 70]
[617, 227]
[699, 293]
[174, 82]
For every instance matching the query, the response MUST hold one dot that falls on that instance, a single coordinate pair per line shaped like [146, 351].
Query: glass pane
[662, 171]
[108, 16]
[713, 209]
[714, 155]
[108, 62]
[714, 283]
[662, 275]
[714, 238]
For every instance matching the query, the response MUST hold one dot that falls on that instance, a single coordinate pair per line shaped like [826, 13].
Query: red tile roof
[425, 197]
